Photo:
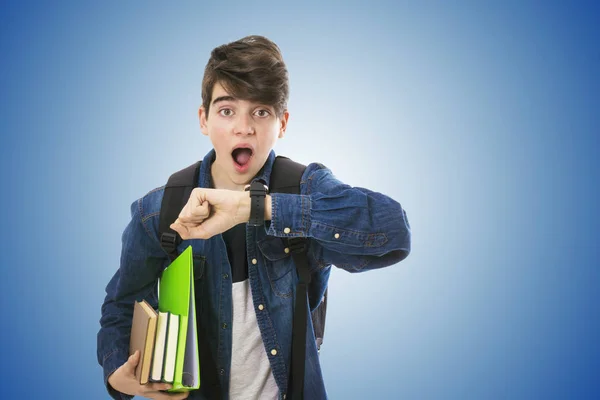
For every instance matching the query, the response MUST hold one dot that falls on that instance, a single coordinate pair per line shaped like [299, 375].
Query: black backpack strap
[300, 320]
[177, 192]
[285, 178]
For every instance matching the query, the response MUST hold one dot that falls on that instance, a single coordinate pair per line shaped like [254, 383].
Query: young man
[245, 277]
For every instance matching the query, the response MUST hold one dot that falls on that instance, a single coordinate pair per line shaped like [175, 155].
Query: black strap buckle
[168, 241]
[297, 245]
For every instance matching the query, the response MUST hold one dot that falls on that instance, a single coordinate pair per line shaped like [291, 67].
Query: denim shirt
[349, 227]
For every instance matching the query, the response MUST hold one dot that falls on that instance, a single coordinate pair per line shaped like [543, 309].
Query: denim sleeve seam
[147, 217]
[308, 182]
[359, 267]
[274, 211]
[372, 237]
[305, 213]
[302, 223]
[155, 190]
[366, 238]
[107, 355]
[144, 219]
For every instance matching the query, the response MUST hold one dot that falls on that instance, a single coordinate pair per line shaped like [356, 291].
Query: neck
[221, 180]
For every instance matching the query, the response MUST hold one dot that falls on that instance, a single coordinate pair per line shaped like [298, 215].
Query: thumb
[202, 210]
[205, 230]
[132, 362]
[195, 211]
[180, 228]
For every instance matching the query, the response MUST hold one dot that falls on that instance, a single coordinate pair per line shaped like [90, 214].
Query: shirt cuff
[290, 215]
[113, 361]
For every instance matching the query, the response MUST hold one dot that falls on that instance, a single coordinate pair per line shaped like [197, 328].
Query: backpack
[285, 178]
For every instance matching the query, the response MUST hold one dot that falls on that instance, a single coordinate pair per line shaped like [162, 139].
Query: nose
[244, 125]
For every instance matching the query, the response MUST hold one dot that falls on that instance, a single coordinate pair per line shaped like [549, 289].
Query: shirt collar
[205, 179]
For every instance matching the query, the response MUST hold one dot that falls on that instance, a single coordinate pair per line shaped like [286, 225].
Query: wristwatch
[258, 192]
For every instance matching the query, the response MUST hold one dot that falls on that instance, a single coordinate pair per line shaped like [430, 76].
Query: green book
[176, 296]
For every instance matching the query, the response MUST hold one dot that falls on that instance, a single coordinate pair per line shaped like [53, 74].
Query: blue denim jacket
[352, 228]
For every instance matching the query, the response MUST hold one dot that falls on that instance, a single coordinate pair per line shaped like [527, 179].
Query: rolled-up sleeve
[351, 227]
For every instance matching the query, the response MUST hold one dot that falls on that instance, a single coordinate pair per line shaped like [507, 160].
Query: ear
[202, 115]
[283, 123]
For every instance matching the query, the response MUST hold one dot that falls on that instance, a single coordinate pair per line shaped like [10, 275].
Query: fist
[209, 212]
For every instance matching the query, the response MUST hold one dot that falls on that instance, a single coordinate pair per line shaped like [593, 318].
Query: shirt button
[222, 371]
[287, 250]
[225, 276]
[337, 236]
[287, 230]
[274, 352]
[261, 307]
[224, 325]
[254, 261]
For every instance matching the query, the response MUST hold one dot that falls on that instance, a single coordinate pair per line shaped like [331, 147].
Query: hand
[209, 212]
[123, 380]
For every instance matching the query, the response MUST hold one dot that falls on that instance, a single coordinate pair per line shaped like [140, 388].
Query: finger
[196, 213]
[196, 200]
[199, 232]
[186, 224]
[181, 229]
[191, 219]
[151, 387]
[202, 210]
[166, 396]
[132, 362]
[186, 210]
[178, 396]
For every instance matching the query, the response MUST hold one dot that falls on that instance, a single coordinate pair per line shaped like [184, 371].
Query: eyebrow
[224, 98]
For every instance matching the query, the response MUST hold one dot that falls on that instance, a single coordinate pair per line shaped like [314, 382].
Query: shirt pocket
[278, 264]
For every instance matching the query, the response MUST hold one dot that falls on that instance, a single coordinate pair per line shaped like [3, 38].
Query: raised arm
[353, 228]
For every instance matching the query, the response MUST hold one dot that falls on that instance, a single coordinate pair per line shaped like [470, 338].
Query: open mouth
[242, 155]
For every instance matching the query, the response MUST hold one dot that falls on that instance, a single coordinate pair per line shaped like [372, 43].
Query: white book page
[191, 371]
[159, 346]
[171, 349]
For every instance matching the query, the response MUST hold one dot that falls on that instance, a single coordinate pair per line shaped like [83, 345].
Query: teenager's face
[242, 133]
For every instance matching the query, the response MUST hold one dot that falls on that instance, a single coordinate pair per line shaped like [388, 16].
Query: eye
[262, 113]
[226, 112]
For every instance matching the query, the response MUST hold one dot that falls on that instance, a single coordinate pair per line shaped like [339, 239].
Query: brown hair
[250, 68]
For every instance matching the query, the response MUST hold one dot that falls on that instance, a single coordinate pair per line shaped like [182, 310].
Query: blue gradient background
[482, 120]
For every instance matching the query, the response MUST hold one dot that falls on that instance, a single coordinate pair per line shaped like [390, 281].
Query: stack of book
[167, 340]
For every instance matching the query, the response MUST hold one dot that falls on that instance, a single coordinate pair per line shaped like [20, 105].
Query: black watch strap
[258, 192]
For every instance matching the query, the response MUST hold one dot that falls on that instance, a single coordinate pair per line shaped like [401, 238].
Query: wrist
[243, 213]
[246, 204]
